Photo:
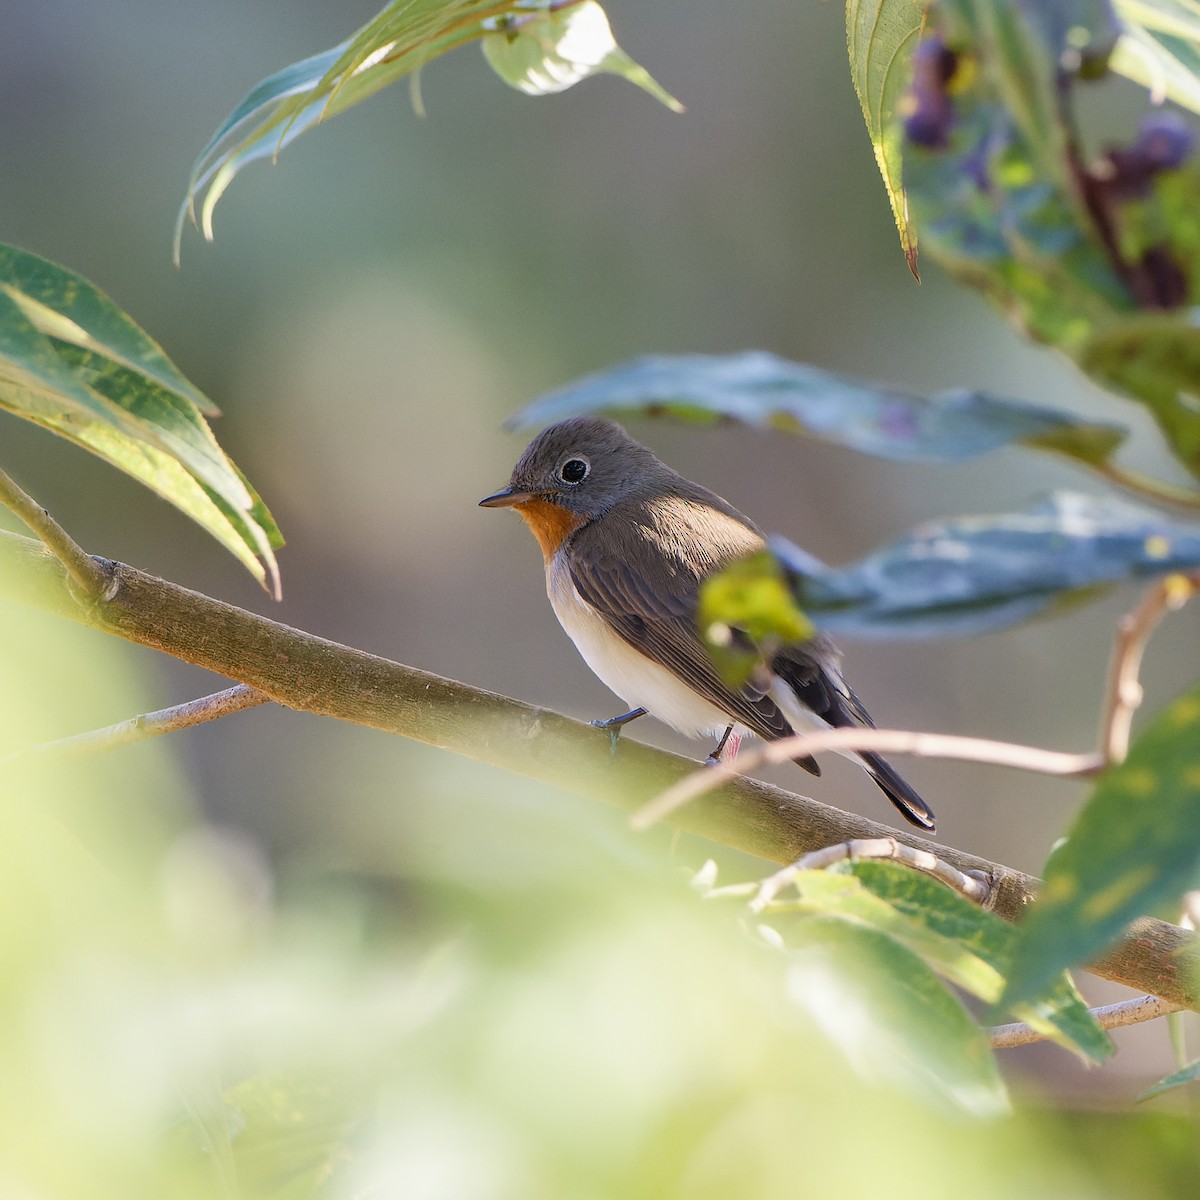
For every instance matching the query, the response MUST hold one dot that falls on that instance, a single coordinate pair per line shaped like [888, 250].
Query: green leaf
[1159, 48]
[749, 599]
[959, 940]
[73, 362]
[891, 1017]
[880, 35]
[1133, 849]
[397, 42]
[972, 574]
[1185, 1075]
[1078, 256]
[762, 390]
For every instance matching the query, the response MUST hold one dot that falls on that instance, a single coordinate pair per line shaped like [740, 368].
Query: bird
[628, 542]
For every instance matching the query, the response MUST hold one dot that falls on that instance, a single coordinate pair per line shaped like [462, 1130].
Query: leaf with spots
[968, 575]
[74, 363]
[1134, 849]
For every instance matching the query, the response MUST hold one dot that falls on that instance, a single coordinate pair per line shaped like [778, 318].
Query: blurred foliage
[74, 363]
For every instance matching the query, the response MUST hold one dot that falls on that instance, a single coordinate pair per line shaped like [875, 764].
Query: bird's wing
[644, 579]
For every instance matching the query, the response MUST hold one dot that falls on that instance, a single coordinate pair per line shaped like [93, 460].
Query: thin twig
[970, 885]
[152, 724]
[1123, 693]
[895, 741]
[87, 573]
[1110, 1016]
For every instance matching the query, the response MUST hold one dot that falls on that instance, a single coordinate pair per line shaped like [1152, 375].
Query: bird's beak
[505, 498]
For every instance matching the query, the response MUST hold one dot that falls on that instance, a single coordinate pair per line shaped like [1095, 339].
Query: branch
[1110, 1016]
[308, 673]
[87, 572]
[153, 724]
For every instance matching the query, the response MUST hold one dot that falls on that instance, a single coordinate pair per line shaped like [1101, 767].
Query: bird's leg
[614, 725]
[727, 748]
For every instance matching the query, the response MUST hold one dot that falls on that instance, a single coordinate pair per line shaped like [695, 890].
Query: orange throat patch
[551, 523]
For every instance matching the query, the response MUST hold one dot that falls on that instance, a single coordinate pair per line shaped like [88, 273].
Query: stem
[311, 674]
[1148, 486]
[86, 571]
[1123, 693]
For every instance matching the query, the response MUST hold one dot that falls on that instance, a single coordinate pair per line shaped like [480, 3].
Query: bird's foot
[726, 750]
[614, 725]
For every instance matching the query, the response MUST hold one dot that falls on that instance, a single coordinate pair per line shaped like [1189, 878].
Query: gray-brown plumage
[627, 543]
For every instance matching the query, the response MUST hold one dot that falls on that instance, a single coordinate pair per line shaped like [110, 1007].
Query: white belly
[639, 681]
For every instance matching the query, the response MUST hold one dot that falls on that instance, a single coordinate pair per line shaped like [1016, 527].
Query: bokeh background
[379, 300]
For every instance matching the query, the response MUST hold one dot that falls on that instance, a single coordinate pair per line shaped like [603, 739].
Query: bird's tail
[897, 791]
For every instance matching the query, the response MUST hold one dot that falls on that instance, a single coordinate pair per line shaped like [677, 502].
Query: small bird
[627, 543]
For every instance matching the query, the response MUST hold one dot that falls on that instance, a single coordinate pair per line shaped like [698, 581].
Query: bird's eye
[574, 470]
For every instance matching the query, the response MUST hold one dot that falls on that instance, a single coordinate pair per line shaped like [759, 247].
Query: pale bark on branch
[311, 674]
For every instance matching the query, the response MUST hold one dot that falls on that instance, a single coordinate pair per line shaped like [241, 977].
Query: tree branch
[1110, 1016]
[152, 724]
[308, 673]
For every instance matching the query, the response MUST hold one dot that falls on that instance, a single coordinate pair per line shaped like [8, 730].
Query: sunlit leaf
[554, 48]
[959, 940]
[763, 390]
[1134, 847]
[73, 362]
[880, 35]
[891, 1017]
[968, 575]
[532, 40]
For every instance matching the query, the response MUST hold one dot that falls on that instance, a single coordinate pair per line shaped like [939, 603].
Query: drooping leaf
[969, 575]
[1159, 48]
[763, 390]
[891, 1017]
[880, 36]
[1101, 260]
[530, 44]
[73, 362]
[959, 940]
[1133, 848]
[1180, 1078]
